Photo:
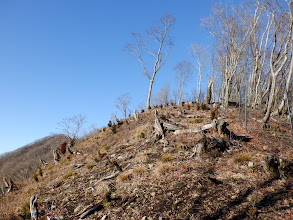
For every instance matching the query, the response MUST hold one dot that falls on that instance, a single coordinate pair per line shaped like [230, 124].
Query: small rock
[144, 218]
[265, 147]
[286, 203]
[153, 194]
[250, 164]
[78, 209]
[233, 197]
[151, 165]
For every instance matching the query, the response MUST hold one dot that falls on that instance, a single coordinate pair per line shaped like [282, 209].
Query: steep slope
[125, 172]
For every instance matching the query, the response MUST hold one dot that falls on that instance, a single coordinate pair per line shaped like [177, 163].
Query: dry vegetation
[162, 180]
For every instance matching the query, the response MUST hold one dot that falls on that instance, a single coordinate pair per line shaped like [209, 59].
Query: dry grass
[102, 189]
[67, 175]
[242, 158]
[163, 168]
[125, 176]
[166, 158]
[129, 148]
[196, 120]
[139, 169]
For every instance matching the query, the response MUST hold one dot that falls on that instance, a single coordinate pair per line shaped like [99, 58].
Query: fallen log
[91, 211]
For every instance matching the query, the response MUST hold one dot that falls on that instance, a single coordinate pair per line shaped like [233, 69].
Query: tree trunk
[271, 100]
[148, 105]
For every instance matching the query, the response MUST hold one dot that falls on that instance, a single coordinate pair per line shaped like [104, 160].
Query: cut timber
[158, 127]
[91, 211]
[197, 130]
[171, 126]
[33, 207]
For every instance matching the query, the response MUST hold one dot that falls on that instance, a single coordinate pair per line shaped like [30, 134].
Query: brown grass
[166, 158]
[125, 176]
[242, 158]
[163, 168]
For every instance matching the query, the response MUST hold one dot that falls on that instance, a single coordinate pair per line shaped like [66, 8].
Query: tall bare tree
[183, 72]
[122, 103]
[157, 46]
[198, 54]
[72, 126]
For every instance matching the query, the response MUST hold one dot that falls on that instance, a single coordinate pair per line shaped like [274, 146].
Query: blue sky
[60, 58]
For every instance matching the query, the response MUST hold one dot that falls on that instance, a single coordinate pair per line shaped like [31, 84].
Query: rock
[250, 164]
[265, 147]
[233, 197]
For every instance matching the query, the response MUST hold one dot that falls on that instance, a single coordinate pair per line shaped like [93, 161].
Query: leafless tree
[183, 72]
[122, 103]
[156, 46]
[72, 126]
[163, 95]
[199, 55]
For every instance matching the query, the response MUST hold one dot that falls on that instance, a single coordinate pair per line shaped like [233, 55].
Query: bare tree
[122, 103]
[183, 71]
[157, 46]
[198, 54]
[163, 95]
[72, 126]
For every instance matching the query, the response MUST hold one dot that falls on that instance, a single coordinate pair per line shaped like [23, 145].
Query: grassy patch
[68, 175]
[195, 120]
[166, 158]
[242, 158]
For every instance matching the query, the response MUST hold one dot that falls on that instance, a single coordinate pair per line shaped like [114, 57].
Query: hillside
[22, 163]
[126, 172]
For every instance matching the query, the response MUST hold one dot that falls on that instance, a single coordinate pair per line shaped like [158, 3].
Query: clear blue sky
[60, 58]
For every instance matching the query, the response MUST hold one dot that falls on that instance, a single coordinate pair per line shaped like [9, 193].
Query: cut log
[171, 126]
[33, 208]
[91, 211]
[158, 127]
[194, 130]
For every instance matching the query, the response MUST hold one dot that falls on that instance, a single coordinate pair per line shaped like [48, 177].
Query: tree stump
[33, 207]
[279, 167]
[158, 127]
[56, 156]
[135, 114]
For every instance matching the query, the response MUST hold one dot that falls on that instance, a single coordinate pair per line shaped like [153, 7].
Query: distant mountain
[22, 163]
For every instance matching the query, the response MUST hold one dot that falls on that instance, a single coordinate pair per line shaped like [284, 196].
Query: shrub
[89, 166]
[114, 129]
[182, 103]
[24, 211]
[142, 111]
[107, 147]
[110, 124]
[188, 106]
[62, 148]
[140, 135]
[203, 106]
[214, 114]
